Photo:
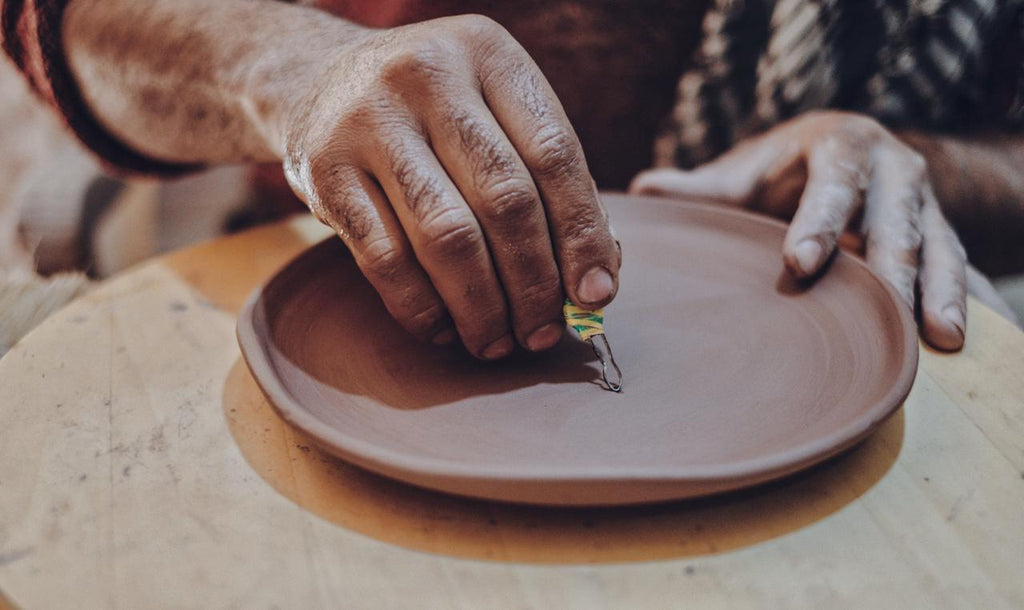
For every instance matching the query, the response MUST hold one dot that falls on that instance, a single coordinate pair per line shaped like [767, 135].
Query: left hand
[824, 169]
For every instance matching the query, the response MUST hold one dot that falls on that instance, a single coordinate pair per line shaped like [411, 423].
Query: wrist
[280, 83]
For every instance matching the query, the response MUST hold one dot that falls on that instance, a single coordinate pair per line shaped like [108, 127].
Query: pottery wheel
[735, 374]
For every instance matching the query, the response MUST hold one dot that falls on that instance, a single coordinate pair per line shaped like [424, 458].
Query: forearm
[198, 81]
[979, 181]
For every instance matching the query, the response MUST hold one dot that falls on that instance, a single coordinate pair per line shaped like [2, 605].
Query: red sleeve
[32, 39]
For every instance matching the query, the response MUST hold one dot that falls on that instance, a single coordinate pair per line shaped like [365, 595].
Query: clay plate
[734, 373]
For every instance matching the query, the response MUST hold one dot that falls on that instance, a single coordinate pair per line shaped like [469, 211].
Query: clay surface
[734, 373]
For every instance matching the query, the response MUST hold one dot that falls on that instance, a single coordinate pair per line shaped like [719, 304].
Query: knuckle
[855, 123]
[323, 166]
[332, 177]
[845, 131]
[511, 204]
[847, 187]
[383, 260]
[482, 42]
[864, 124]
[423, 61]
[478, 27]
[846, 149]
[555, 154]
[454, 240]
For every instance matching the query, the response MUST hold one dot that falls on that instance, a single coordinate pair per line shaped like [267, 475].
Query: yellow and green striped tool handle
[586, 323]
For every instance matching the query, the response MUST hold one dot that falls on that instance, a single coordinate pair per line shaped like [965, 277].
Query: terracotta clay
[734, 373]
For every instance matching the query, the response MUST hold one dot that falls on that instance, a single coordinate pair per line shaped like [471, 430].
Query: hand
[441, 156]
[826, 170]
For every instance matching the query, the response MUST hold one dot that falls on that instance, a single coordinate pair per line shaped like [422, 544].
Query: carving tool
[589, 325]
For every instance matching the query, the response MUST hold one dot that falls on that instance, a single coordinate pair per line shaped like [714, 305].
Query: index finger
[529, 113]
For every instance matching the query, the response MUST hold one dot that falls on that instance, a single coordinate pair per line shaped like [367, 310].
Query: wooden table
[140, 467]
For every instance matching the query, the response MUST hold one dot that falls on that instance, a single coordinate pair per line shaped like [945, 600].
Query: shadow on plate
[420, 519]
[308, 321]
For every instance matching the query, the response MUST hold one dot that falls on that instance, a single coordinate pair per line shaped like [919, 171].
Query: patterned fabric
[941, 65]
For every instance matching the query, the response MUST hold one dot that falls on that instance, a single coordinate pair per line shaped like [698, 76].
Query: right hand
[830, 172]
[441, 156]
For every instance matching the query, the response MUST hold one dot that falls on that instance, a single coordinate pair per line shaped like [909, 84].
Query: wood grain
[127, 481]
[463, 527]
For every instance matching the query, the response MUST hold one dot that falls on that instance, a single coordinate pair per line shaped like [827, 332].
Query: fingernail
[499, 349]
[808, 255]
[596, 286]
[445, 337]
[954, 316]
[544, 337]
